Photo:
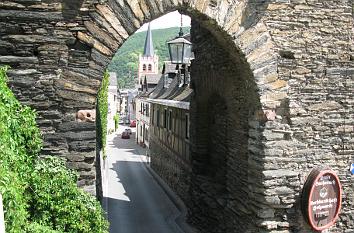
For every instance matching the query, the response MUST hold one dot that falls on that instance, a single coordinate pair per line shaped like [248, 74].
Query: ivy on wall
[39, 195]
[116, 121]
[102, 111]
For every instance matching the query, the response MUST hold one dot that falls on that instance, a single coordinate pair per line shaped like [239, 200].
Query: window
[175, 123]
[153, 114]
[166, 83]
[165, 119]
[146, 133]
[181, 81]
[149, 67]
[144, 67]
[187, 125]
[158, 118]
[170, 120]
[147, 110]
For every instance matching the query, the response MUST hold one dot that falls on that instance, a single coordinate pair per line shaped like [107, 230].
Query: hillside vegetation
[125, 62]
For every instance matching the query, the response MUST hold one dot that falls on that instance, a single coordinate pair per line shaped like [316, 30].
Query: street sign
[352, 168]
[321, 198]
[2, 221]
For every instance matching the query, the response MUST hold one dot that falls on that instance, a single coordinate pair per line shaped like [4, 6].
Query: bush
[57, 202]
[14, 198]
[37, 228]
[39, 195]
[102, 111]
[19, 131]
[20, 143]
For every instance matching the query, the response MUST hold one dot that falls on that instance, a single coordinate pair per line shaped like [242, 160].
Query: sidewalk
[182, 217]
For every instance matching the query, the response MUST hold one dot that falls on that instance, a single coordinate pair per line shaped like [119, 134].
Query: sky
[172, 19]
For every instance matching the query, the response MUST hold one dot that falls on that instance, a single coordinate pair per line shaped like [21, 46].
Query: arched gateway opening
[238, 178]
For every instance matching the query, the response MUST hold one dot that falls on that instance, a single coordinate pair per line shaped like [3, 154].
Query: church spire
[149, 45]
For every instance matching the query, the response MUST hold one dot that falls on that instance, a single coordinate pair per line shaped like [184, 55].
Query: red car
[132, 124]
[125, 135]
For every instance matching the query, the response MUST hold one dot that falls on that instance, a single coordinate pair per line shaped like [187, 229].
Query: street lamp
[180, 49]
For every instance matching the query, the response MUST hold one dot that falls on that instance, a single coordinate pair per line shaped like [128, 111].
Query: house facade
[113, 101]
[170, 126]
[143, 120]
[127, 105]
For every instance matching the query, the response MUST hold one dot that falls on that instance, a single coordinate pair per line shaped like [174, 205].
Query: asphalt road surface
[135, 202]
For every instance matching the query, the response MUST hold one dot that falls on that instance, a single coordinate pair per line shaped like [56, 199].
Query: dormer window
[150, 67]
[144, 67]
[167, 81]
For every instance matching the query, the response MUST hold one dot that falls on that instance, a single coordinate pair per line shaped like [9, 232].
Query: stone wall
[294, 56]
[301, 117]
[315, 43]
[56, 74]
[224, 98]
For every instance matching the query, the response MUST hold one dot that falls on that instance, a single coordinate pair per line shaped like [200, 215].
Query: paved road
[135, 202]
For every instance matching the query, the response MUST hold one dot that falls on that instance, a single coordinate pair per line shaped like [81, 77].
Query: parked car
[129, 131]
[133, 123]
[125, 135]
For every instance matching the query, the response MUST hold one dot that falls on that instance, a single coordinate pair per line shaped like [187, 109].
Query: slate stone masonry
[225, 97]
[53, 72]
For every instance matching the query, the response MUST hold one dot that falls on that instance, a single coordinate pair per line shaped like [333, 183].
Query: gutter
[170, 103]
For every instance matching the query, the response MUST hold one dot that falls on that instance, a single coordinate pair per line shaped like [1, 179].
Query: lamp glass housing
[180, 51]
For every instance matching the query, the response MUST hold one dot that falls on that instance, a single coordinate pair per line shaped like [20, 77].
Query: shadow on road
[124, 144]
[136, 203]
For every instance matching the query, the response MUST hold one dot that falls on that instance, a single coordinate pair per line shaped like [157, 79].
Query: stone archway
[225, 101]
[59, 51]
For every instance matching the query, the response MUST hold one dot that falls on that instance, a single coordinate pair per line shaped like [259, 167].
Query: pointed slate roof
[158, 90]
[149, 45]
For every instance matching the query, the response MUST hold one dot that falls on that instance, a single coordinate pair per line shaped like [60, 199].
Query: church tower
[149, 61]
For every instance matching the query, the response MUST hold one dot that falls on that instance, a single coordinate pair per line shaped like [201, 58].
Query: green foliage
[37, 192]
[102, 111]
[116, 121]
[125, 62]
[18, 128]
[38, 228]
[57, 202]
[20, 142]
[14, 198]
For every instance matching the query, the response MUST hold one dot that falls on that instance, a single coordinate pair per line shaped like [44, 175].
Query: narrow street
[135, 201]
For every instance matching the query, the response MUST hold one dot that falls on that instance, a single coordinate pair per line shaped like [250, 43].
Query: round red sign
[321, 199]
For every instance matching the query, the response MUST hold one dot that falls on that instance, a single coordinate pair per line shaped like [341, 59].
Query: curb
[180, 219]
